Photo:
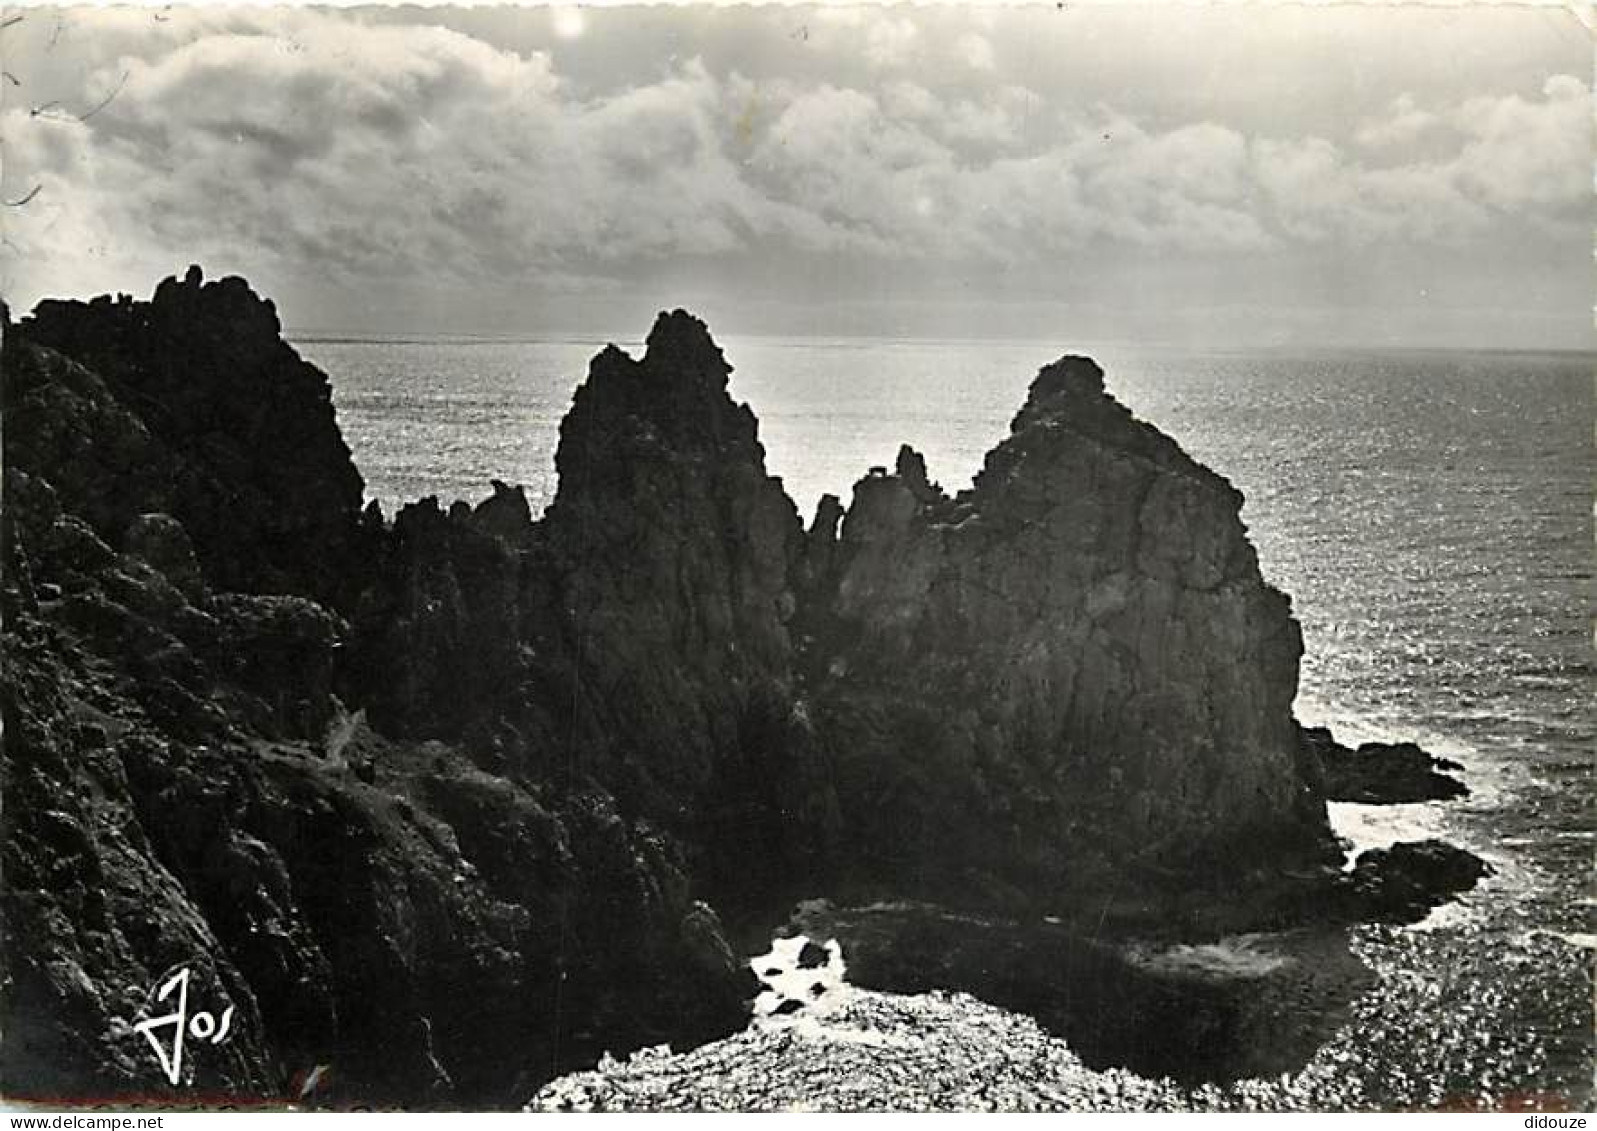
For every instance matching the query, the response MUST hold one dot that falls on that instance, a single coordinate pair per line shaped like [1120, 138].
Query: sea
[1429, 512]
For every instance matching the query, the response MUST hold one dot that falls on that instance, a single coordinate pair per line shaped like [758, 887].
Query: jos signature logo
[202, 1026]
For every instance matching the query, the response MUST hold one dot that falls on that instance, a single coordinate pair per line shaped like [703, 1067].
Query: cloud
[409, 150]
[1315, 193]
[977, 51]
[1403, 124]
[1490, 159]
[316, 144]
[891, 41]
[1522, 153]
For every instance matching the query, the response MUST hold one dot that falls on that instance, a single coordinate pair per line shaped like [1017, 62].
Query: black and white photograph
[853, 557]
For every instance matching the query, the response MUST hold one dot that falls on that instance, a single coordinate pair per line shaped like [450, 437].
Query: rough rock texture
[248, 456]
[671, 548]
[183, 786]
[446, 803]
[636, 636]
[435, 934]
[1401, 884]
[1072, 670]
[1380, 773]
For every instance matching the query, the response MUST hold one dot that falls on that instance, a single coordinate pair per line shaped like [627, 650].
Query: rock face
[636, 636]
[1072, 669]
[453, 803]
[247, 455]
[671, 548]
[184, 787]
[437, 935]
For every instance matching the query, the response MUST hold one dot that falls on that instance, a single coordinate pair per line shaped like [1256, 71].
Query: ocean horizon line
[634, 341]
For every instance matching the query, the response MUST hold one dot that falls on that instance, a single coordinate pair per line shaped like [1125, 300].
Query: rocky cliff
[184, 787]
[635, 636]
[454, 802]
[232, 433]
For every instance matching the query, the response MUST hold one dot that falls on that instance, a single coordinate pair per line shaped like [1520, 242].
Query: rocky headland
[451, 803]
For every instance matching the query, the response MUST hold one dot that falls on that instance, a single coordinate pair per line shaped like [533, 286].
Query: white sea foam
[779, 970]
[1381, 826]
[1455, 913]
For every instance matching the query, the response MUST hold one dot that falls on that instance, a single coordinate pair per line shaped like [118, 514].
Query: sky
[1270, 175]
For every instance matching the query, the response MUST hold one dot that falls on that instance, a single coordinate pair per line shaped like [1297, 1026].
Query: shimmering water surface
[1429, 513]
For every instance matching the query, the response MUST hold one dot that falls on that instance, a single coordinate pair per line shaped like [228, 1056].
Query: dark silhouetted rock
[182, 783]
[199, 409]
[505, 514]
[1379, 773]
[1401, 884]
[1071, 677]
[456, 802]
